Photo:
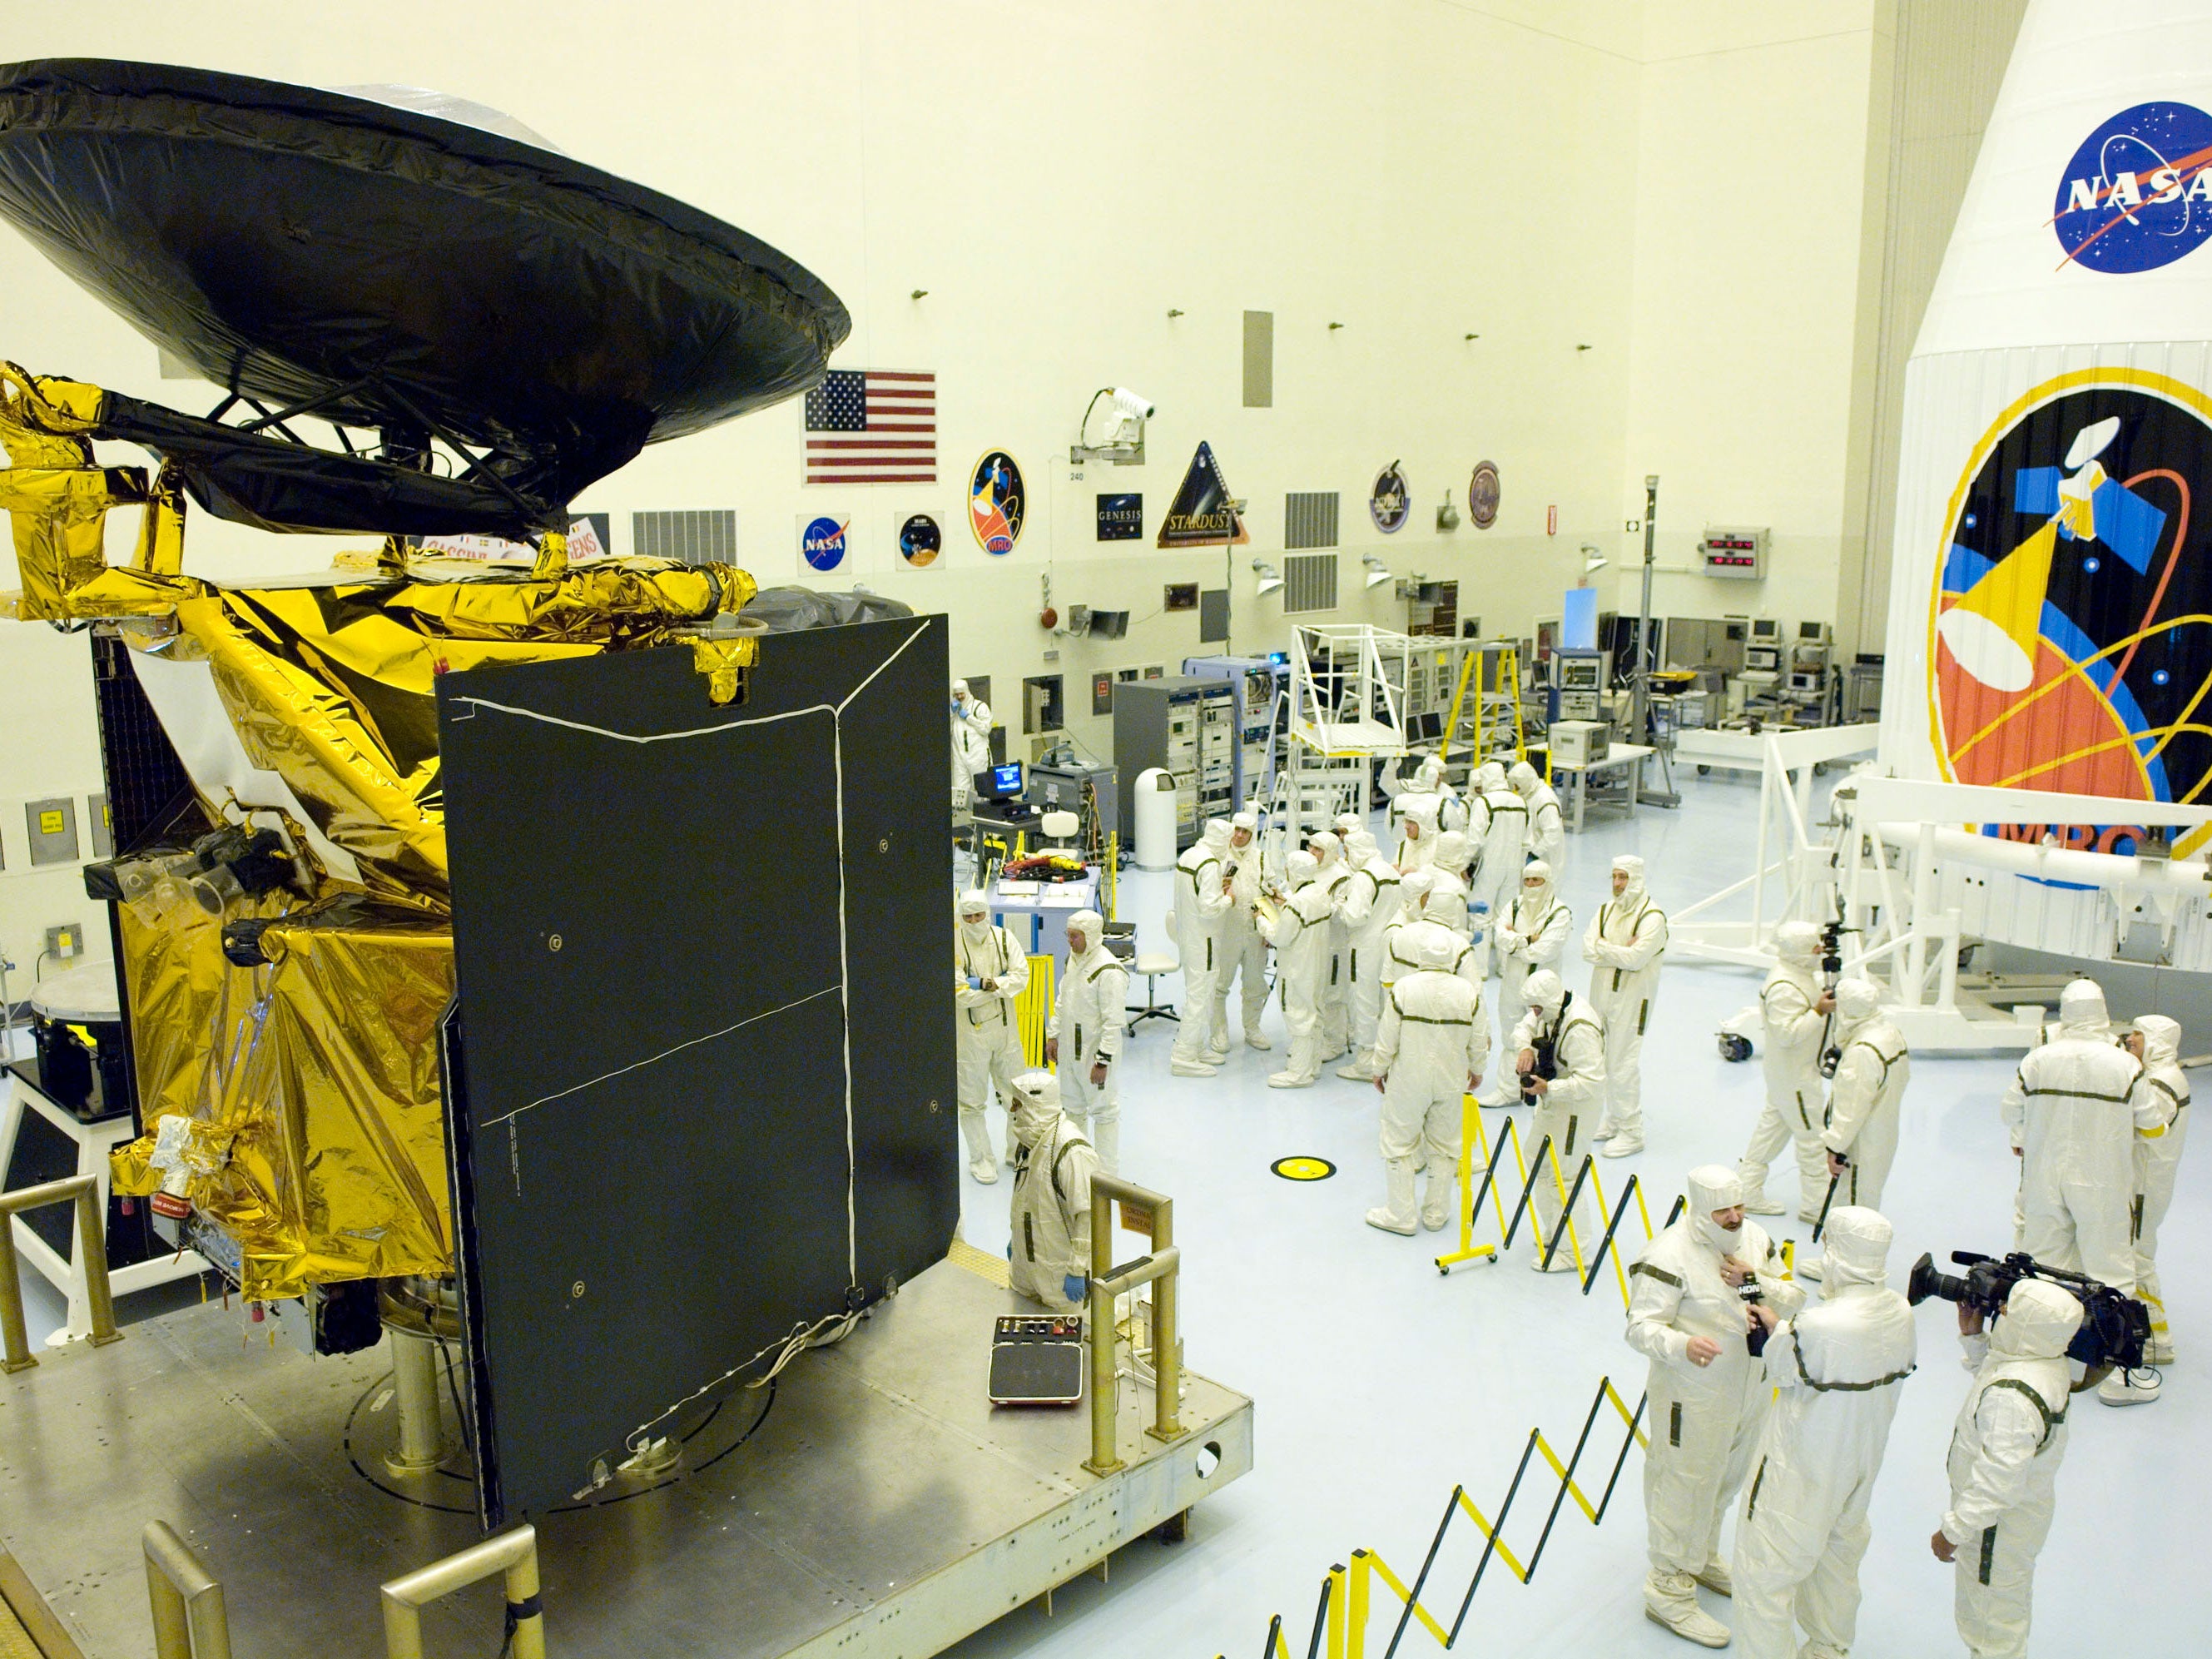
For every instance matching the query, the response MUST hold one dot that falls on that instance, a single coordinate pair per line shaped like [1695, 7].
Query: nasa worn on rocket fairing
[2051, 597]
[2050, 602]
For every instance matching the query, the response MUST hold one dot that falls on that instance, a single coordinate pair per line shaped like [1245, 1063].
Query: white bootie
[1671, 1599]
[1716, 1577]
[1288, 1080]
[1396, 1214]
[1760, 1204]
[1358, 1072]
[1808, 1266]
[2125, 1387]
[1256, 1039]
[985, 1170]
[1106, 1137]
[1620, 1146]
[1182, 1067]
[1437, 1197]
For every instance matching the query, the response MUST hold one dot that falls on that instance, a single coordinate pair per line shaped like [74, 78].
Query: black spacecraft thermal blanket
[396, 270]
[701, 1080]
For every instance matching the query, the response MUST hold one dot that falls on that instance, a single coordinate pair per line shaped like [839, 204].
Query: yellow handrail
[189, 1618]
[512, 1554]
[82, 1190]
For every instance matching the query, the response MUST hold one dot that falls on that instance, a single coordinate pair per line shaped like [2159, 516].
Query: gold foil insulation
[318, 1134]
[317, 1137]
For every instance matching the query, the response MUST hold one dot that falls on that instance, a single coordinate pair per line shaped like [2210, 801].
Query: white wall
[1750, 159]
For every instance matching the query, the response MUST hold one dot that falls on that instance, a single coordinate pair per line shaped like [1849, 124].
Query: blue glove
[1075, 1287]
[1010, 1250]
[1481, 908]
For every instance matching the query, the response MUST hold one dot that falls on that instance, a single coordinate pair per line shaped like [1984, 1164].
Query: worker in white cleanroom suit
[2156, 1159]
[1416, 810]
[1837, 1369]
[1084, 1040]
[1626, 941]
[1202, 901]
[2005, 1452]
[1866, 1098]
[971, 754]
[1795, 1008]
[1299, 933]
[990, 971]
[1708, 1395]
[2072, 1112]
[1370, 909]
[2156, 1042]
[1547, 825]
[1431, 1043]
[1245, 953]
[1504, 836]
[1053, 1165]
[1429, 778]
[1447, 900]
[1532, 932]
[1400, 956]
[1334, 872]
[1565, 1101]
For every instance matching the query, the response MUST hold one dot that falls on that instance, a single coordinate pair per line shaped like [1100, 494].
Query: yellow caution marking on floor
[981, 1263]
[1303, 1167]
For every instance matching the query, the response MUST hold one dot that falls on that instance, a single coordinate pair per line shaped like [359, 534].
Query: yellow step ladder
[1499, 685]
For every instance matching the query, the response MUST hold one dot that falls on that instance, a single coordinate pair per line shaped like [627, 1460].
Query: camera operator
[1709, 1397]
[2073, 1111]
[1795, 1007]
[1838, 1368]
[2004, 1460]
[1558, 1050]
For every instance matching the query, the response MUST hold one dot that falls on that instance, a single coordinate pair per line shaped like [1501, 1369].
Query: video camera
[2114, 1327]
[1546, 1050]
[1831, 972]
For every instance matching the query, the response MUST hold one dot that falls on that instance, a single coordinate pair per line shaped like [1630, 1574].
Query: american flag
[871, 426]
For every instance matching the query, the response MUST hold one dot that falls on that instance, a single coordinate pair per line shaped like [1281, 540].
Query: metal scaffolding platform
[873, 1502]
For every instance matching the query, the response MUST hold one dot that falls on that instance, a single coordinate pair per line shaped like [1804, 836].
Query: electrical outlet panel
[52, 830]
[65, 941]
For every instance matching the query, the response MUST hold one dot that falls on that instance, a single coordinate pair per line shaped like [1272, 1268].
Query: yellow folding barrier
[1033, 1009]
[1493, 1176]
[1346, 1609]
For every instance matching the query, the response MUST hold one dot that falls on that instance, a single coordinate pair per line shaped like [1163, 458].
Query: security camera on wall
[1123, 441]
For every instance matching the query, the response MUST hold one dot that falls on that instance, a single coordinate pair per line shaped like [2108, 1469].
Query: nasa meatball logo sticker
[1389, 503]
[2069, 641]
[920, 541]
[1482, 495]
[2137, 194]
[822, 543]
[996, 503]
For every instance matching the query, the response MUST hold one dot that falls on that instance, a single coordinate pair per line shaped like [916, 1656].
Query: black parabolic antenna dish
[402, 271]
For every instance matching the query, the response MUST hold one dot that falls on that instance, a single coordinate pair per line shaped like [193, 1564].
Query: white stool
[1151, 964]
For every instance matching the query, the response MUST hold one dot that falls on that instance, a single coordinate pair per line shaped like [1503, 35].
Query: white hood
[2081, 1010]
[2038, 1321]
[1857, 1241]
[1712, 1186]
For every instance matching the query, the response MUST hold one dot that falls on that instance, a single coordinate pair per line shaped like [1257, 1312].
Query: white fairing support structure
[2048, 628]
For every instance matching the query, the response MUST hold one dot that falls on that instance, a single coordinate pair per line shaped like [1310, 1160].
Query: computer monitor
[1428, 728]
[1812, 630]
[1001, 782]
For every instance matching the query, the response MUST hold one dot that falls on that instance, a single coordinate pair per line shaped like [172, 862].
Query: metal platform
[874, 1503]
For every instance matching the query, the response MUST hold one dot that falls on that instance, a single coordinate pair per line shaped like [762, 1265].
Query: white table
[1047, 910]
[1628, 755]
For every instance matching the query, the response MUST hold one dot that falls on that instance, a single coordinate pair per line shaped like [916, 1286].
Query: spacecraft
[477, 925]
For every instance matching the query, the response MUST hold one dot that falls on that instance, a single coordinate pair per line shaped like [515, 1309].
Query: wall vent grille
[1309, 582]
[700, 538]
[1309, 519]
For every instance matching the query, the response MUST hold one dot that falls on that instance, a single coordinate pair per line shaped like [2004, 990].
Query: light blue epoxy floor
[1380, 1384]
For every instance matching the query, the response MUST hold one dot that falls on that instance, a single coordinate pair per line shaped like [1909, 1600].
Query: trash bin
[1156, 819]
